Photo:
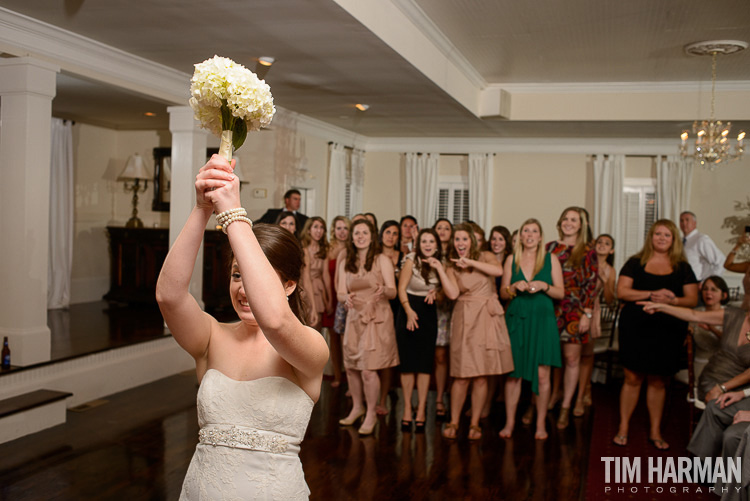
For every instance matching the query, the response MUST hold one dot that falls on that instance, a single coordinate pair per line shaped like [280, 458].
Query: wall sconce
[135, 171]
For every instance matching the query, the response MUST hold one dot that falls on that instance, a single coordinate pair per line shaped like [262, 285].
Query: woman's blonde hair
[582, 245]
[540, 252]
[676, 251]
[333, 225]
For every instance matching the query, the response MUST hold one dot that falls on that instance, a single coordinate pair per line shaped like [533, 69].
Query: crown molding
[429, 29]
[585, 146]
[620, 87]
[24, 36]
[318, 128]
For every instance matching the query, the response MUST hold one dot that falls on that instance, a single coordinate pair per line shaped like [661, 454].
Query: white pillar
[189, 143]
[27, 87]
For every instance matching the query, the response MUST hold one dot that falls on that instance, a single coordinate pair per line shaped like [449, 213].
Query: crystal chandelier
[712, 144]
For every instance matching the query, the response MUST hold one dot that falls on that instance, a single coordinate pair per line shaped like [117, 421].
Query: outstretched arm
[715, 317]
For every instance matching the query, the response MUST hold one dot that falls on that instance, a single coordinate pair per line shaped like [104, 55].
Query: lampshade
[134, 169]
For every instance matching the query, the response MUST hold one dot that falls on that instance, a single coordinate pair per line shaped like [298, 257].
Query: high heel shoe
[348, 421]
[405, 425]
[367, 431]
[419, 426]
[564, 419]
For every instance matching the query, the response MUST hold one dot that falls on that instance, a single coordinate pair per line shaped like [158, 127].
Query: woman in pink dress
[480, 346]
[316, 279]
[365, 284]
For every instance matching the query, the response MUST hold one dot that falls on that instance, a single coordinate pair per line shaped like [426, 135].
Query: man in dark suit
[292, 199]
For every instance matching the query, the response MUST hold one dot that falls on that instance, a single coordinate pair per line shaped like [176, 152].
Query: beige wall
[714, 196]
[523, 183]
[538, 185]
[384, 192]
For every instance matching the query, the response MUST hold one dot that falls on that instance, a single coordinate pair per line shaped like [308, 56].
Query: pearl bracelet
[228, 214]
[232, 219]
[224, 216]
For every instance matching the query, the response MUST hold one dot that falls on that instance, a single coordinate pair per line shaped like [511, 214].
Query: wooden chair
[607, 346]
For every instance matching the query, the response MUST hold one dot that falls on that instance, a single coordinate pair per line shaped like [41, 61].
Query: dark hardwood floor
[137, 444]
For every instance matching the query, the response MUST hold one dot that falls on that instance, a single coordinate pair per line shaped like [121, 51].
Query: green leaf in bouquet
[239, 134]
[226, 116]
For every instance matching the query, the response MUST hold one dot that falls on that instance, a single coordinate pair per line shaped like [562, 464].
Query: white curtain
[357, 181]
[674, 177]
[60, 215]
[336, 181]
[480, 188]
[609, 177]
[422, 173]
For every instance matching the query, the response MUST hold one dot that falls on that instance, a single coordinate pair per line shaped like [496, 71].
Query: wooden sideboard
[136, 258]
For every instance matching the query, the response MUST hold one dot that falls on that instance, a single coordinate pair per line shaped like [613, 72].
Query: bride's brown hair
[284, 253]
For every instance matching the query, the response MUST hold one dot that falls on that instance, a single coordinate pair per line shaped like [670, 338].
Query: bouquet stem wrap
[225, 148]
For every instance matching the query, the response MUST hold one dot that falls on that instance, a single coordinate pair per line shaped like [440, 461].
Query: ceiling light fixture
[712, 144]
[266, 60]
[150, 114]
[362, 107]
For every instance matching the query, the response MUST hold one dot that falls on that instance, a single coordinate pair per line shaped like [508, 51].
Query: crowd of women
[487, 310]
[497, 309]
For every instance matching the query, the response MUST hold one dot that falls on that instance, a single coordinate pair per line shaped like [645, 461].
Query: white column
[189, 143]
[27, 87]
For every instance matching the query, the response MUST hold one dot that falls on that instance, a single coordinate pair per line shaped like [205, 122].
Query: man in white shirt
[704, 257]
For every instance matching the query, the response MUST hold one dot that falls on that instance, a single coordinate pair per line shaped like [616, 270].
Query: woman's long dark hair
[284, 253]
[611, 257]
[351, 250]
[474, 251]
[307, 239]
[505, 232]
[419, 257]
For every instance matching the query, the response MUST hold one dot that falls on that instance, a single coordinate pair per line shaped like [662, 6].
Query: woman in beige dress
[365, 284]
[479, 338]
[316, 279]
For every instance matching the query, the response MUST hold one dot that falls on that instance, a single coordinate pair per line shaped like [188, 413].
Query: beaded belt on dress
[247, 438]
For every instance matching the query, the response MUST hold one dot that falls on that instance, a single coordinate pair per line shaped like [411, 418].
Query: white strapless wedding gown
[249, 440]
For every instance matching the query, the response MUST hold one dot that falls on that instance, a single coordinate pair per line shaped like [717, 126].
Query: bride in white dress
[261, 376]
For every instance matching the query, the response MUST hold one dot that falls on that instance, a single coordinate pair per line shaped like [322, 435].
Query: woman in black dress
[650, 345]
[416, 323]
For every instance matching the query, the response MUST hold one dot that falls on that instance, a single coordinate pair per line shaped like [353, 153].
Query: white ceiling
[332, 54]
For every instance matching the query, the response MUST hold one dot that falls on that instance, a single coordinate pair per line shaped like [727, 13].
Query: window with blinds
[640, 213]
[453, 201]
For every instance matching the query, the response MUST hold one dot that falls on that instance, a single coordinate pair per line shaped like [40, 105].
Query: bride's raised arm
[190, 325]
[302, 347]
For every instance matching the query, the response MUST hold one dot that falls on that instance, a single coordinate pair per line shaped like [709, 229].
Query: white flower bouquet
[230, 100]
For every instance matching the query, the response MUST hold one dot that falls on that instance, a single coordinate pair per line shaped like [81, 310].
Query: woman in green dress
[532, 326]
